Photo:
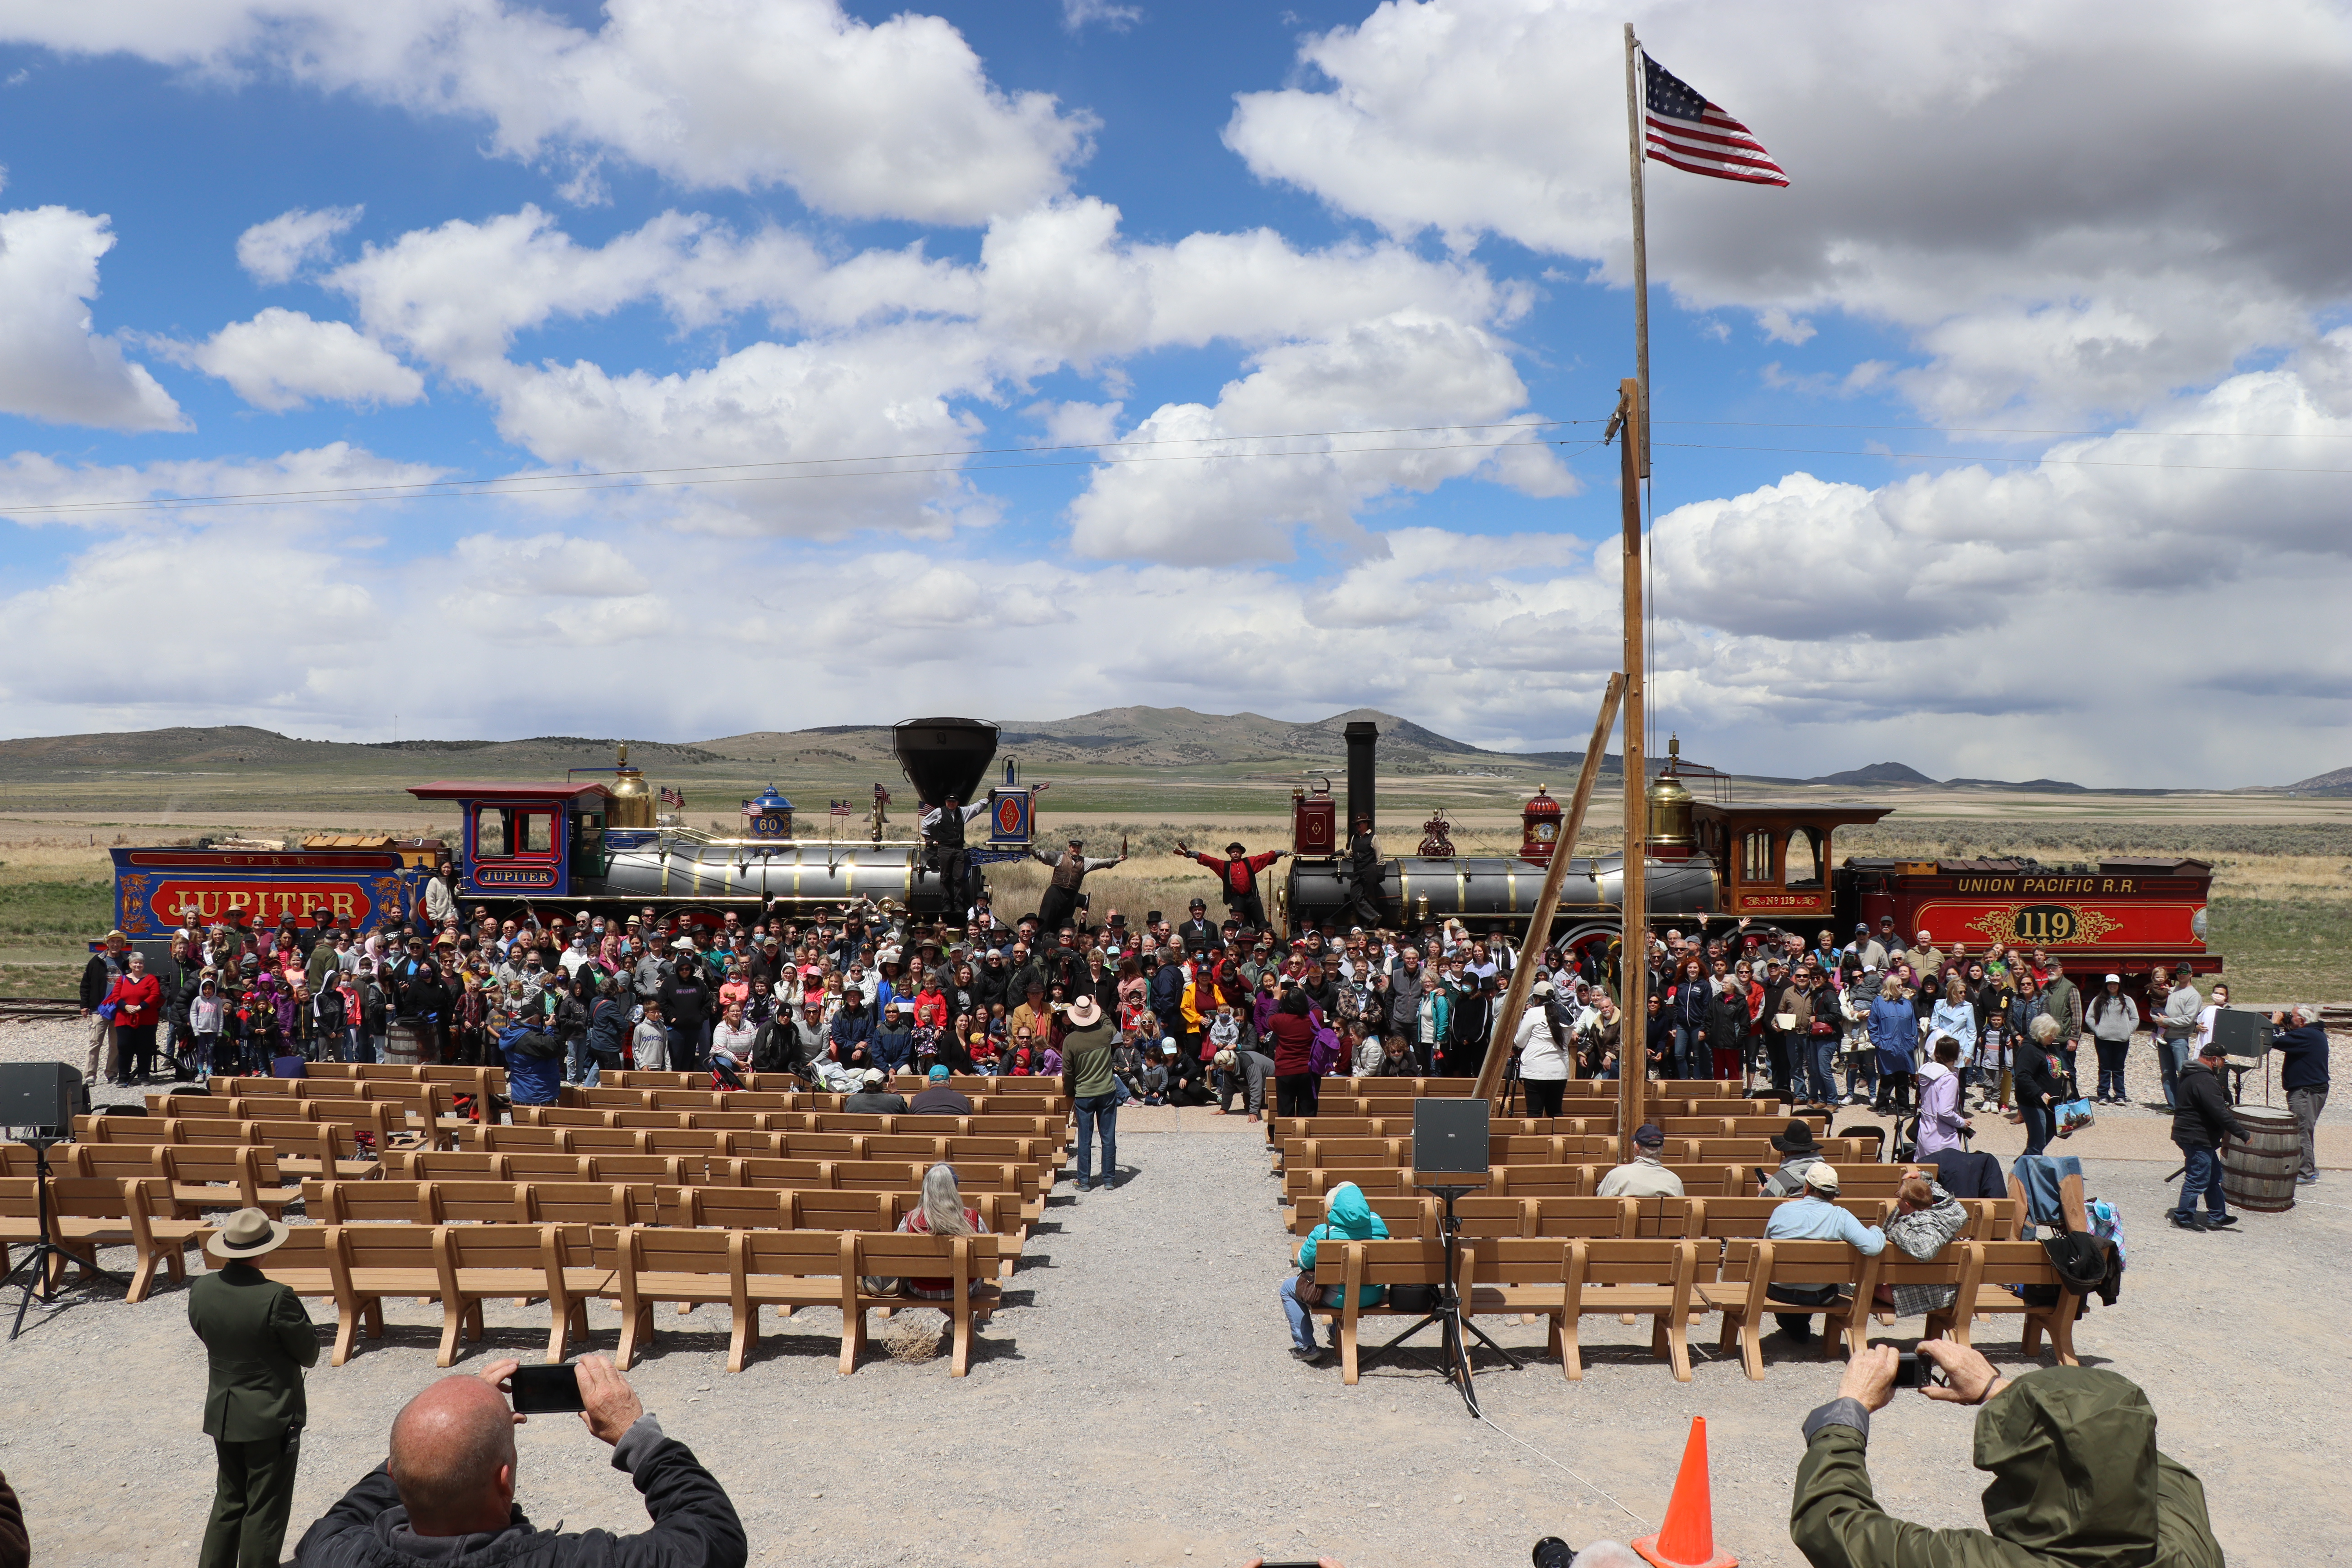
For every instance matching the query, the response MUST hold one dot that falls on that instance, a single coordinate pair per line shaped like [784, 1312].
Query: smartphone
[1912, 1370]
[545, 1390]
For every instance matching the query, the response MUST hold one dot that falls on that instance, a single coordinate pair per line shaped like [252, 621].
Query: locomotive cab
[527, 839]
[1774, 856]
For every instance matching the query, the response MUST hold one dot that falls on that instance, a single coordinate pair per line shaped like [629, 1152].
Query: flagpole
[1633, 152]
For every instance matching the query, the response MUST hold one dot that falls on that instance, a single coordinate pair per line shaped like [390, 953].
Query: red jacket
[1294, 1038]
[1240, 877]
[138, 1003]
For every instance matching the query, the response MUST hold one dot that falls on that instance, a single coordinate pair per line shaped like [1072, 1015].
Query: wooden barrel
[402, 1046]
[2259, 1173]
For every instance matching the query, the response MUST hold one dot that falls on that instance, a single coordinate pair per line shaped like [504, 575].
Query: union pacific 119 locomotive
[1713, 861]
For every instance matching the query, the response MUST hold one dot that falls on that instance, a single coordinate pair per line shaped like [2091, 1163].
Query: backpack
[1323, 1054]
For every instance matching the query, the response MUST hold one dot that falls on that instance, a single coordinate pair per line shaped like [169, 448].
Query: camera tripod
[1447, 1315]
[44, 1256]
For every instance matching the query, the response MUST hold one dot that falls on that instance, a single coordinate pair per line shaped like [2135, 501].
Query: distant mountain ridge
[1136, 736]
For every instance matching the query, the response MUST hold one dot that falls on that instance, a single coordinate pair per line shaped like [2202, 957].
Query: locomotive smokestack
[1362, 736]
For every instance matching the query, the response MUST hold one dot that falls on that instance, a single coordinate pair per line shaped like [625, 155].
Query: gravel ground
[1134, 1404]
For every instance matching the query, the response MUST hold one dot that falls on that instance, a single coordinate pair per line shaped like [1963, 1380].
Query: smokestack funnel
[1362, 778]
[944, 756]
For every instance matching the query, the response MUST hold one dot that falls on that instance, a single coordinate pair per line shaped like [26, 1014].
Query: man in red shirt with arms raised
[1238, 878]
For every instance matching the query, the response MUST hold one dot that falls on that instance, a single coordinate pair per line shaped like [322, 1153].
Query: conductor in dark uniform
[258, 1339]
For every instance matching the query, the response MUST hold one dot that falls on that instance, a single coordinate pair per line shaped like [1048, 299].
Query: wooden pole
[1633, 948]
[1523, 973]
[1635, 149]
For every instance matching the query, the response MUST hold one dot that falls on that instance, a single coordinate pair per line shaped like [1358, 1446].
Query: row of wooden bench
[1587, 1115]
[1708, 1218]
[1282, 1127]
[1663, 1278]
[684, 1206]
[193, 1178]
[1539, 1149]
[1378, 1179]
[307, 1149]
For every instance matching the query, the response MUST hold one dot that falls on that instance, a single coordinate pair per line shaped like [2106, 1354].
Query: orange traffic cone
[1688, 1538]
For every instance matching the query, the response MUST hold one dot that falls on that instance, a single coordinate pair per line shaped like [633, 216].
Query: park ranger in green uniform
[258, 1339]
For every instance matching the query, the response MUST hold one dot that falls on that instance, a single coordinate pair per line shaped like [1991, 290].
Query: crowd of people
[1199, 1011]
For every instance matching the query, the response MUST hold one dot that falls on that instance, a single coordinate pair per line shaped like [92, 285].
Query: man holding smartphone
[447, 1493]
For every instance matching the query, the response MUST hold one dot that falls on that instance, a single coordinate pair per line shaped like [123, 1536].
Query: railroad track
[39, 1007]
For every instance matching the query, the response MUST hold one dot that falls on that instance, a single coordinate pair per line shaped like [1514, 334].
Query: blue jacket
[1894, 1031]
[847, 1029]
[2306, 1056]
[1957, 1019]
[893, 1049]
[1348, 1217]
[530, 1080]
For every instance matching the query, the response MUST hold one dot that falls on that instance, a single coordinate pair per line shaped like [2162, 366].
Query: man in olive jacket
[2077, 1479]
[258, 1339]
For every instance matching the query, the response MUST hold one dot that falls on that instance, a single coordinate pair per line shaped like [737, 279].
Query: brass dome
[1670, 806]
[632, 805]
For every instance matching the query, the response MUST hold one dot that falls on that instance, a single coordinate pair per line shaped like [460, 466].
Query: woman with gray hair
[942, 1213]
[2039, 1086]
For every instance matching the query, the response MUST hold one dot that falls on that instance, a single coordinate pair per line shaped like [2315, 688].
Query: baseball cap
[1821, 1177]
[2115, 980]
[1647, 1136]
[873, 1077]
[938, 1075]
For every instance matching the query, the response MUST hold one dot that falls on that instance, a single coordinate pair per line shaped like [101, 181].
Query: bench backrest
[366, 1249]
[506, 1247]
[1605, 1260]
[367, 1203]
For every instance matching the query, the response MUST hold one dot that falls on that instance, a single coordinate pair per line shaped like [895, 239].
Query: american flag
[840, 808]
[1688, 132]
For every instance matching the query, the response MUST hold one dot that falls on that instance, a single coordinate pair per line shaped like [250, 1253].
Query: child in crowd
[983, 1051]
[649, 1042]
[1049, 1062]
[1155, 1075]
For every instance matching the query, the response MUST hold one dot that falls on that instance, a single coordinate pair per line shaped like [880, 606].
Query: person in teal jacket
[1345, 1217]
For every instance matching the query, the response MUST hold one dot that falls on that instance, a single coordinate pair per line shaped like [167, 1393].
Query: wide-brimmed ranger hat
[1797, 1140]
[249, 1233]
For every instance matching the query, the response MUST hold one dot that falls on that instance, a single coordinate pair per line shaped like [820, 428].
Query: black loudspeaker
[1449, 1137]
[41, 1095]
[2242, 1034]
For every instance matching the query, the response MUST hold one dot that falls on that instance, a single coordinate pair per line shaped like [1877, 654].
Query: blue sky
[578, 241]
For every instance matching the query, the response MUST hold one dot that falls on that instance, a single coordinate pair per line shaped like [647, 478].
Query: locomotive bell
[1670, 808]
[1540, 827]
[632, 805]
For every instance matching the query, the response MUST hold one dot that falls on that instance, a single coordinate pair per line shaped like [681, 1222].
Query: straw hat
[249, 1233]
[1085, 1012]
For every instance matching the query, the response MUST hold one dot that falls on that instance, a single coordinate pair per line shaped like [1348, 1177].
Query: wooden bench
[372, 1261]
[1999, 1265]
[1641, 1278]
[87, 1212]
[748, 1270]
[1752, 1264]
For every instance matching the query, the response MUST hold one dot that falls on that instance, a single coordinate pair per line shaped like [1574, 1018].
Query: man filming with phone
[2076, 1474]
[447, 1495]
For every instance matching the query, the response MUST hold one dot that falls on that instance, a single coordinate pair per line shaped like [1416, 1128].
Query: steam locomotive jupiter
[606, 846]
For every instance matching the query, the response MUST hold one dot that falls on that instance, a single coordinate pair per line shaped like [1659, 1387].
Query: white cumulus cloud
[273, 252]
[892, 119]
[52, 366]
[2065, 214]
[282, 359]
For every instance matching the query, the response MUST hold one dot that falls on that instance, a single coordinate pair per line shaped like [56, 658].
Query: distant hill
[1875, 773]
[1176, 737]
[2336, 783]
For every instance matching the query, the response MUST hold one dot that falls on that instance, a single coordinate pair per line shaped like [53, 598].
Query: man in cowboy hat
[1238, 879]
[258, 1339]
[1798, 1151]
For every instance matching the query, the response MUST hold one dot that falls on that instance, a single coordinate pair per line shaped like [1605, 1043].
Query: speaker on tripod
[41, 1097]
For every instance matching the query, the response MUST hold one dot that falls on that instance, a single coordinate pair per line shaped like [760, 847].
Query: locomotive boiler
[1486, 893]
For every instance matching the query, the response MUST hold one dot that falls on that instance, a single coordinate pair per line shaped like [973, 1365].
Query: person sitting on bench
[1347, 1216]
[1643, 1177]
[1815, 1216]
